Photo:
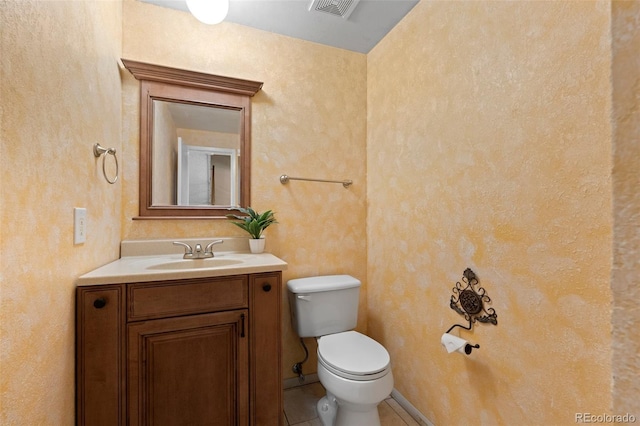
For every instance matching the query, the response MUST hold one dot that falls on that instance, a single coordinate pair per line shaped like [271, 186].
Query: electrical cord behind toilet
[297, 367]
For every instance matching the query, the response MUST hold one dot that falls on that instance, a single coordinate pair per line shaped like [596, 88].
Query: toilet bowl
[356, 372]
[354, 369]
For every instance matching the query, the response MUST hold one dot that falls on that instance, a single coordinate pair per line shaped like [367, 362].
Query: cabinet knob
[266, 287]
[100, 303]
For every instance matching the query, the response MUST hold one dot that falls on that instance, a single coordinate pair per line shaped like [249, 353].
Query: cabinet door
[266, 349]
[100, 355]
[189, 370]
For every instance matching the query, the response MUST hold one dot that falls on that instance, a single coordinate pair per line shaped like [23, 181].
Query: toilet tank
[324, 304]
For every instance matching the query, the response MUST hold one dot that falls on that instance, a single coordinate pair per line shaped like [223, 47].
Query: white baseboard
[409, 408]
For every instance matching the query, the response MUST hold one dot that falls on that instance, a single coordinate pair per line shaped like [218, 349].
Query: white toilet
[353, 368]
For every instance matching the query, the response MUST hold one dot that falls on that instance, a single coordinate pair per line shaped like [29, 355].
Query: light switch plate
[79, 225]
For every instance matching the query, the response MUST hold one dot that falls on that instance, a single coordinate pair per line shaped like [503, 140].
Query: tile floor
[300, 408]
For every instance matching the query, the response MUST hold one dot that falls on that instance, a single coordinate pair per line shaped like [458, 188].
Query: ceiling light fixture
[209, 12]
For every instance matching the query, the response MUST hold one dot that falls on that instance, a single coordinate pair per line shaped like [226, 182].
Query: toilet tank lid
[322, 283]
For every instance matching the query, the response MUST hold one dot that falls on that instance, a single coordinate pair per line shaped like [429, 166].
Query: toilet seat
[353, 356]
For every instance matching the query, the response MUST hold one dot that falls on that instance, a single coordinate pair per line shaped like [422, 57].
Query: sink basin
[212, 262]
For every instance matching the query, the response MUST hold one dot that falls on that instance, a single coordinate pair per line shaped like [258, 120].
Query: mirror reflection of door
[206, 175]
[221, 193]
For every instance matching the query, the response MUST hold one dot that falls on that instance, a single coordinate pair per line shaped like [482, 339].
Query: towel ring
[98, 151]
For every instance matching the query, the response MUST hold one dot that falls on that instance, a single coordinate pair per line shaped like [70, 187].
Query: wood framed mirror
[195, 142]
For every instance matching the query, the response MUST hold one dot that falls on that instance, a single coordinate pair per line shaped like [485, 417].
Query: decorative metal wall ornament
[468, 300]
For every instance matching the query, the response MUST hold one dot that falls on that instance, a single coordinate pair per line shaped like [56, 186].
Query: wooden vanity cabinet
[266, 354]
[100, 346]
[180, 352]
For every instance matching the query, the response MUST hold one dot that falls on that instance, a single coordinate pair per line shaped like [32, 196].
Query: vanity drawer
[186, 297]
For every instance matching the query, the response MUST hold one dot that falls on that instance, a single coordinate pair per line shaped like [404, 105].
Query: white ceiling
[369, 22]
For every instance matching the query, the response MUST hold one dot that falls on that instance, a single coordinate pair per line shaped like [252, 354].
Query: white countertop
[161, 266]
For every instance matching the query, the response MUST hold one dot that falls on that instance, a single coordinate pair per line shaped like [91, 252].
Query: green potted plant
[254, 223]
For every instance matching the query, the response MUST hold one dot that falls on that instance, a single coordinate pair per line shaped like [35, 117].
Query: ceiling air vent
[341, 8]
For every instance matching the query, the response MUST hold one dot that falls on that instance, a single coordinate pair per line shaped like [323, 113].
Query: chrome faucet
[188, 251]
[199, 254]
[209, 248]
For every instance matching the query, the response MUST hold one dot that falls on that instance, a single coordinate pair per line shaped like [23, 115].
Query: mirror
[195, 156]
[195, 142]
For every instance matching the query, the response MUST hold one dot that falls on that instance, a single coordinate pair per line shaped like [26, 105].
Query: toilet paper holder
[469, 300]
[469, 347]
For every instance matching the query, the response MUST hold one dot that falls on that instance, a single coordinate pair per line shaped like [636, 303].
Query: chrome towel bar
[284, 179]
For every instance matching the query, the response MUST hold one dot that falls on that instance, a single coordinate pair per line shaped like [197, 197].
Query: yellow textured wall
[489, 133]
[626, 202]
[309, 120]
[59, 94]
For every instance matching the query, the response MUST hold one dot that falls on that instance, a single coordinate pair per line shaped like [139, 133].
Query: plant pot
[257, 245]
